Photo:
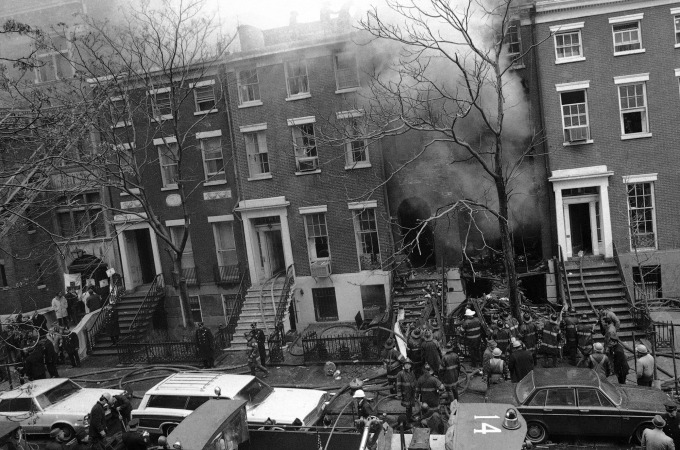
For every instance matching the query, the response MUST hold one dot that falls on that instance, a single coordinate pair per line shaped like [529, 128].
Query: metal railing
[148, 304]
[96, 328]
[283, 298]
[227, 274]
[157, 352]
[190, 274]
[233, 307]
[564, 278]
[365, 347]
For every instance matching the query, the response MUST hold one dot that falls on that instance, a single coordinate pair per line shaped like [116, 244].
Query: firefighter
[261, 339]
[488, 354]
[450, 372]
[512, 324]
[391, 359]
[431, 353]
[428, 388]
[551, 341]
[414, 351]
[498, 370]
[436, 332]
[619, 360]
[206, 346]
[472, 328]
[608, 330]
[569, 325]
[599, 362]
[529, 332]
[608, 315]
[584, 335]
[503, 336]
[406, 387]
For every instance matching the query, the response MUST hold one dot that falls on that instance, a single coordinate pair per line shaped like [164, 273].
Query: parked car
[165, 405]
[41, 405]
[574, 401]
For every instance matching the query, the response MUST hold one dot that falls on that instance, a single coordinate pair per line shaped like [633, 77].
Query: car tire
[169, 429]
[637, 436]
[69, 432]
[536, 432]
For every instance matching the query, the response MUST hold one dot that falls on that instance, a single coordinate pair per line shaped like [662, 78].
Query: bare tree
[453, 81]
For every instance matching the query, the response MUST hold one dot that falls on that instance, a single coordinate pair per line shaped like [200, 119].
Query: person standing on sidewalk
[644, 366]
[71, 345]
[570, 324]
[618, 358]
[261, 339]
[206, 346]
[551, 342]
[60, 308]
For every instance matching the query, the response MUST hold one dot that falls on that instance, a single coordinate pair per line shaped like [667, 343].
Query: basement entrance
[411, 214]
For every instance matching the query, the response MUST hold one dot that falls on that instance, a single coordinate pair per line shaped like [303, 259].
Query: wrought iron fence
[346, 347]
[227, 274]
[663, 334]
[190, 274]
[157, 352]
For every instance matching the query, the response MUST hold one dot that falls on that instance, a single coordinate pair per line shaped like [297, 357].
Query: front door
[270, 245]
[140, 261]
[579, 229]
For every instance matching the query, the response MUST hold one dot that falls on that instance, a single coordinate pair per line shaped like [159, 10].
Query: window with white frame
[195, 305]
[366, 230]
[120, 112]
[225, 245]
[248, 86]
[213, 162]
[296, 78]
[176, 234]
[512, 40]
[633, 106]
[161, 104]
[575, 116]
[256, 150]
[356, 148]
[641, 216]
[568, 45]
[304, 143]
[168, 155]
[346, 75]
[54, 64]
[81, 216]
[676, 20]
[317, 236]
[204, 96]
[627, 36]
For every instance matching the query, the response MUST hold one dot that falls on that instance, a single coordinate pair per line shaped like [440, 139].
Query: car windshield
[57, 393]
[254, 392]
[613, 393]
[525, 387]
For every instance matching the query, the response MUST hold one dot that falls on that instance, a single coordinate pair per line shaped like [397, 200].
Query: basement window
[647, 282]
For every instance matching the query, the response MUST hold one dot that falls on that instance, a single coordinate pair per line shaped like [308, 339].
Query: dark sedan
[571, 401]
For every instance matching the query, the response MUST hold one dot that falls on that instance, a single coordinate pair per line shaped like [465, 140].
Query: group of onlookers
[71, 307]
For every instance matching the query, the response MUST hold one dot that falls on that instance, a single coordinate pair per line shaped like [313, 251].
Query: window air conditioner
[307, 164]
[321, 269]
[577, 134]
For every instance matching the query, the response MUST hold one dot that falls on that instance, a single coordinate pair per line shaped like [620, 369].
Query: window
[19, 404]
[512, 41]
[647, 282]
[167, 401]
[627, 37]
[346, 76]
[676, 20]
[304, 142]
[560, 397]
[168, 155]
[356, 147]
[568, 45]
[325, 304]
[176, 233]
[641, 215]
[81, 216]
[588, 397]
[296, 78]
[256, 150]
[204, 97]
[120, 113]
[225, 245]
[248, 86]
[575, 116]
[366, 230]
[213, 163]
[373, 300]
[317, 236]
[54, 64]
[633, 106]
[195, 305]
[539, 398]
[162, 104]
[195, 402]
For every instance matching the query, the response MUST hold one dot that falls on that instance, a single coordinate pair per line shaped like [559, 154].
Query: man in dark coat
[428, 387]
[206, 346]
[34, 364]
[406, 387]
[431, 354]
[520, 362]
[570, 324]
[111, 323]
[94, 301]
[584, 333]
[121, 403]
[551, 341]
[56, 439]
[51, 358]
[503, 336]
[391, 361]
[97, 429]
[261, 339]
[71, 346]
[450, 372]
[672, 428]
[40, 324]
[472, 329]
[618, 358]
[71, 300]
[529, 334]
[133, 439]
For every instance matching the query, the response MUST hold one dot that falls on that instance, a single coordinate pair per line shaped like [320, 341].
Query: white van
[165, 405]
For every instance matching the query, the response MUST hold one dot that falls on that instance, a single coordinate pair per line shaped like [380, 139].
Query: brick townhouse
[311, 197]
[606, 76]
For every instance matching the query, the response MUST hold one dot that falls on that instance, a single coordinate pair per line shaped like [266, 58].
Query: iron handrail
[150, 297]
[235, 313]
[563, 274]
[97, 326]
[283, 299]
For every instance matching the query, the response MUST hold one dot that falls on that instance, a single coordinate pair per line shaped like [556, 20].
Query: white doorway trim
[594, 176]
[120, 233]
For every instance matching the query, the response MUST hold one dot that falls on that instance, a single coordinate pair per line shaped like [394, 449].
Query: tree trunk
[183, 294]
[508, 250]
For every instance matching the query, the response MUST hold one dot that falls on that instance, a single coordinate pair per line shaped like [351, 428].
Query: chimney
[251, 37]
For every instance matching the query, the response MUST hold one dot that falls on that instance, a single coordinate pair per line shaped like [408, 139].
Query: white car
[41, 405]
[165, 405]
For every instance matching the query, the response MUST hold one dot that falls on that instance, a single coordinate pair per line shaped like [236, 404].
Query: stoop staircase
[251, 311]
[409, 295]
[605, 288]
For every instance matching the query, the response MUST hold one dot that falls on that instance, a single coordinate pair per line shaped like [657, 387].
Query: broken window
[366, 229]
[641, 215]
[204, 97]
[575, 116]
[304, 142]
[120, 112]
[633, 105]
[356, 147]
[346, 75]
[169, 161]
[512, 40]
[647, 282]
[676, 20]
[256, 150]
[317, 236]
[568, 45]
[248, 86]
[325, 304]
[213, 163]
[627, 37]
[162, 104]
[296, 78]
